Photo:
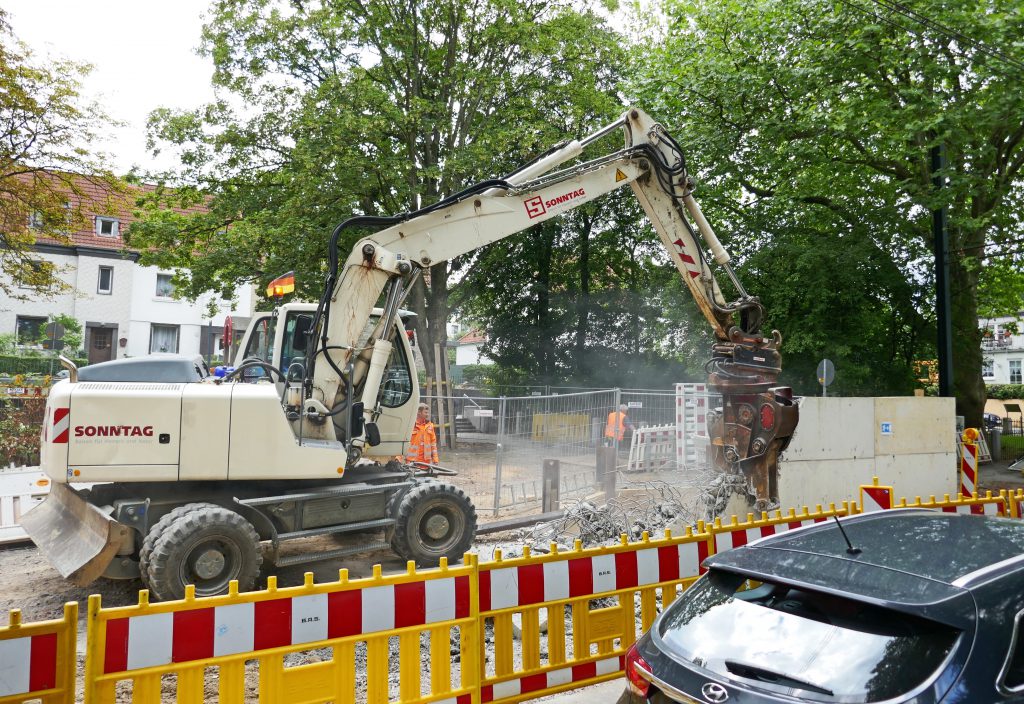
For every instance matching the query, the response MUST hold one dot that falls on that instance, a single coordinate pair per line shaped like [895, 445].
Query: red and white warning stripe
[1018, 506]
[969, 470]
[689, 261]
[553, 678]
[875, 498]
[28, 664]
[744, 536]
[979, 509]
[565, 579]
[61, 425]
[182, 636]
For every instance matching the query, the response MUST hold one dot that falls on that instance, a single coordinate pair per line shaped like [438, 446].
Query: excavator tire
[201, 544]
[434, 520]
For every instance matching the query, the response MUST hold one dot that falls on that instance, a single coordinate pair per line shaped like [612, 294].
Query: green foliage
[20, 425]
[8, 343]
[362, 108]
[1006, 392]
[477, 375]
[587, 300]
[809, 124]
[36, 364]
[45, 130]
[69, 332]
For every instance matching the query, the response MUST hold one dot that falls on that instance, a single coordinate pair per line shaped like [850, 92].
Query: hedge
[13, 364]
[1005, 392]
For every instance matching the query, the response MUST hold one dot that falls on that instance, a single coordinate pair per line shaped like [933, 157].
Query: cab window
[396, 386]
[261, 341]
[293, 347]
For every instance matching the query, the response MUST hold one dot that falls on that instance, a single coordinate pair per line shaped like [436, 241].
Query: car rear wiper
[768, 676]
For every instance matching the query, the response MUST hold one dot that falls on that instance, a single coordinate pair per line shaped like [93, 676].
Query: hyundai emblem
[714, 693]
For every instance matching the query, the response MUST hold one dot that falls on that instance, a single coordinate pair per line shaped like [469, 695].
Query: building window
[35, 274]
[106, 280]
[30, 329]
[163, 338]
[1015, 371]
[35, 220]
[164, 286]
[107, 227]
[988, 368]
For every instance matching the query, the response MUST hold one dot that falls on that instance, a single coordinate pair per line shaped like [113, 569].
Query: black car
[919, 606]
[992, 421]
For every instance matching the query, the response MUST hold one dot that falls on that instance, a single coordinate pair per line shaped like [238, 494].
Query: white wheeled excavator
[195, 483]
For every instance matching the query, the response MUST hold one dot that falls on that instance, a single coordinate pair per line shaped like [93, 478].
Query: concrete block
[517, 623]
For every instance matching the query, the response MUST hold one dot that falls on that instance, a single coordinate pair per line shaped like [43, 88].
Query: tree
[356, 108]
[587, 299]
[45, 130]
[813, 123]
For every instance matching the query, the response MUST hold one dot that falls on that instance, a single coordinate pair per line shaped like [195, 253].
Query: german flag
[281, 285]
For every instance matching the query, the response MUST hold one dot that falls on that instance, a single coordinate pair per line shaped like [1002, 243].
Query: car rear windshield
[783, 639]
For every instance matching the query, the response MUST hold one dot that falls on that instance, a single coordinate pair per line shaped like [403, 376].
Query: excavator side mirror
[372, 435]
[356, 423]
[300, 334]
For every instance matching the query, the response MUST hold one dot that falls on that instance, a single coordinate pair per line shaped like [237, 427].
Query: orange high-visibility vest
[423, 445]
[616, 427]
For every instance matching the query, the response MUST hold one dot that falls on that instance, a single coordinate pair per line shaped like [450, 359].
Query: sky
[143, 57]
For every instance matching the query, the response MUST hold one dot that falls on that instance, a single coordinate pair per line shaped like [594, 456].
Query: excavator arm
[755, 420]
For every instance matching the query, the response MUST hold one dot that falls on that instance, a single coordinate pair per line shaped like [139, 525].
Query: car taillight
[767, 416]
[635, 667]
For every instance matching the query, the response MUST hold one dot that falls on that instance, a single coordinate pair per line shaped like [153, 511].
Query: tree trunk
[968, 383]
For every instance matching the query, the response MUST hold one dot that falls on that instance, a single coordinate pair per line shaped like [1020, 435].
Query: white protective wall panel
[812, 482]
[205, 427]
[919, 425]
[833, 428]
[838, 446]
[921, 475]
[263, 446]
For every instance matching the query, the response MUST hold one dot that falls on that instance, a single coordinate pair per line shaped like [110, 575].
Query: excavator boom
[755, 420]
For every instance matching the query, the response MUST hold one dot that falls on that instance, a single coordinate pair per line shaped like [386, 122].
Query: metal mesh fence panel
[503, 442]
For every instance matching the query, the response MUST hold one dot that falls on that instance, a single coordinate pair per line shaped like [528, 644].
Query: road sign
[826, 375]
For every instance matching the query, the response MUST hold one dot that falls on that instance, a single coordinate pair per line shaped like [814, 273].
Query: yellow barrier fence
[523, 598]
[301, 644]
[37, 660]
[416, 637]
[988, 505]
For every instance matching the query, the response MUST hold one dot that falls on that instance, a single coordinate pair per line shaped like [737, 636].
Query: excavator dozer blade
[76, 537]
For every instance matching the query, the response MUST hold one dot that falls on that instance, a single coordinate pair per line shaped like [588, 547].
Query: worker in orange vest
[423, 445]
[618, 424]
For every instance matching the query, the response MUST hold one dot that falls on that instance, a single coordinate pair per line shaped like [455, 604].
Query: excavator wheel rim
[190, 572]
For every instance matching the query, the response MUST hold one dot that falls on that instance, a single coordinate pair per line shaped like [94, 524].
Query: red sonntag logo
[113, 431]
[535, 207]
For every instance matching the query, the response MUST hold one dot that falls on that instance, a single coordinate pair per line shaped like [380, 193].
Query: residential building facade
[1003, 350]
[125, 310]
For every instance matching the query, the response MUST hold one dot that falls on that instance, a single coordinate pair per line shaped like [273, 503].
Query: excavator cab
[280, 338]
